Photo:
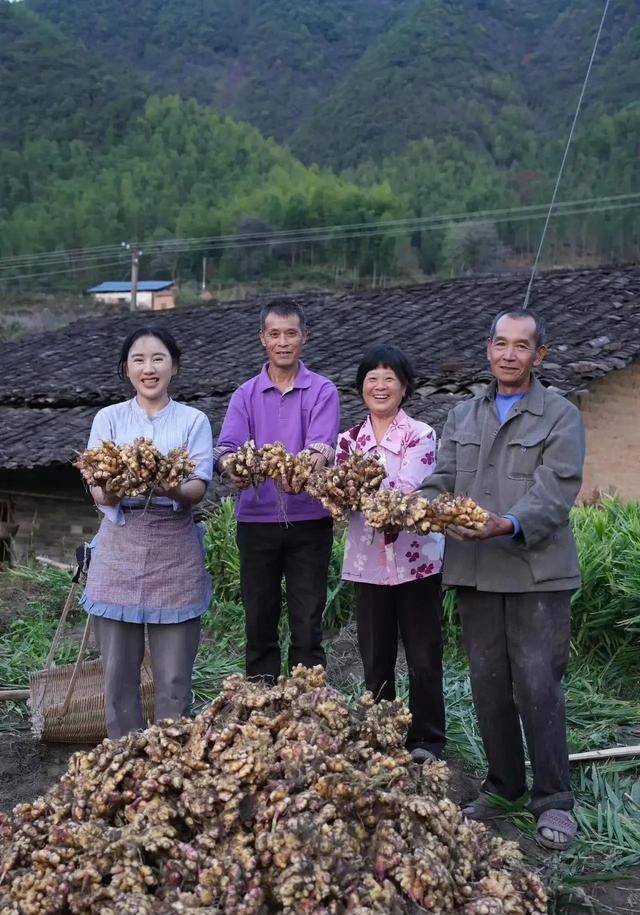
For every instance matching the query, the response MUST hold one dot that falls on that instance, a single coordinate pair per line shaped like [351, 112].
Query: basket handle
[63, 617]
[76, 669]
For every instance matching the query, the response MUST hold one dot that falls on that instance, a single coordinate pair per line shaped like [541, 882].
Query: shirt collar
[532, 402]
[391, 440]
[302, 379]
[142, 413]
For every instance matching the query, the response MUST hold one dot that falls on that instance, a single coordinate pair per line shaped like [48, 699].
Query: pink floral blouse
[408, 451]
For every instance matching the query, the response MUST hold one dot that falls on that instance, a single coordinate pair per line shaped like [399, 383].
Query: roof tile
[53, 383]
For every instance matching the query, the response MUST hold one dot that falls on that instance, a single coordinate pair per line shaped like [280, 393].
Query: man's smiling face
[513, 353]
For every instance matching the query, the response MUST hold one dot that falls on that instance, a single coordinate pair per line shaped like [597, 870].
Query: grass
[602, 686]
[30, 604]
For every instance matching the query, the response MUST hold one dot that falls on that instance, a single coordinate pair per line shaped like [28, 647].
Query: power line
[289, 236]
[398, 230]
[28, 276]
[566, 153]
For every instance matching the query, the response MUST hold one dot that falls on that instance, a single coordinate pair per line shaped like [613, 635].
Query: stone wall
[52, 510]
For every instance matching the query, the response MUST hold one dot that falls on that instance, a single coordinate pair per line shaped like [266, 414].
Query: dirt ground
[28, 768]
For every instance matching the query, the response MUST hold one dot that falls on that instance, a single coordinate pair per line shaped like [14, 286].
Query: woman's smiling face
[150, 368]
[382, 391]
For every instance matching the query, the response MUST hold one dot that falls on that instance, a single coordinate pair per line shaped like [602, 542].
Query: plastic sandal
[561, 821]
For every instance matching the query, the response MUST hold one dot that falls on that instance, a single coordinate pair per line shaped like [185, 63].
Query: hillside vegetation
[204, 117]
[269, 62]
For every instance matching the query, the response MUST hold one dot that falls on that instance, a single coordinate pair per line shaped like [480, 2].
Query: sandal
[484, 808]
[560, 822]
[420, 755]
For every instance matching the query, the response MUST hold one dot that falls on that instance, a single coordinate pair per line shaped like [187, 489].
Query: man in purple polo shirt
[278, 533]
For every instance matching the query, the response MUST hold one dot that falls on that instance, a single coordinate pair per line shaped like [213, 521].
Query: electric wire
[565, 156]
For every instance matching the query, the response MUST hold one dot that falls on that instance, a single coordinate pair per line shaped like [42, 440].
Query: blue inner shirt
[504, 402]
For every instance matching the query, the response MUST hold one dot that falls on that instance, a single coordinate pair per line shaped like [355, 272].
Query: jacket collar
[532, 402]
[302, 379]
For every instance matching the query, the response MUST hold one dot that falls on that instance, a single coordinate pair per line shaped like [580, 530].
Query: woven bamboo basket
[81, 718]
[67, 702]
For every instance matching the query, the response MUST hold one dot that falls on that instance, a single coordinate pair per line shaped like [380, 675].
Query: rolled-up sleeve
[556, 481]
[324, 422]
[200, 448]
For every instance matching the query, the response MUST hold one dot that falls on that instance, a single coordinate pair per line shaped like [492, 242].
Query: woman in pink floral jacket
[398, 580]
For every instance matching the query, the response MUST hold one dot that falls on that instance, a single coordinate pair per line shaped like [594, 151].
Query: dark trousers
[518, 649]
[415, 607]
[300, 551]
[173, 648]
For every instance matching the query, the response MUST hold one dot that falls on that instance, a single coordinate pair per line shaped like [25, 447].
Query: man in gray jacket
[518, 450]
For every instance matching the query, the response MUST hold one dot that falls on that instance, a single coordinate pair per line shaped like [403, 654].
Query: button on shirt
[307, 416]
[175, 426]
[408, 452]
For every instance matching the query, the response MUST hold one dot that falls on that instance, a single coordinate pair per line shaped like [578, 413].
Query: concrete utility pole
[204, 273]
[135, 264]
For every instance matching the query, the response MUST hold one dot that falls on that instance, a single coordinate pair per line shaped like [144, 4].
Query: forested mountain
[492, 73]
[412, 108]
[269, 62]
[348, 80]
[88, 158]
[445, 69]
[554, 70]
[180, 170]
[429, 178]
[50, 87]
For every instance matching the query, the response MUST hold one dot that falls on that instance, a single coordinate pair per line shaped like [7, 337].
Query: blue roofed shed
[153, 295]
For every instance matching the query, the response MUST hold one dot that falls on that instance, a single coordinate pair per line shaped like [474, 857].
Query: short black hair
[148, 330]
[518, 313]
[284, 306]
[389, 357]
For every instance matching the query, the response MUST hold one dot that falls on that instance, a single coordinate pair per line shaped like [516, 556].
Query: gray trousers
[518, 649]
[173, 648]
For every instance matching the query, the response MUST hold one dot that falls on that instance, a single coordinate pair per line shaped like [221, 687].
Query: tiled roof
[53, 383]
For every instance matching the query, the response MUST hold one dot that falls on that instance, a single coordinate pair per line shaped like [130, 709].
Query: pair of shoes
[420, 755]
[556, 829]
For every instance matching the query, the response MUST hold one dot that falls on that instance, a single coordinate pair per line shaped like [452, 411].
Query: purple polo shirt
[307, 415]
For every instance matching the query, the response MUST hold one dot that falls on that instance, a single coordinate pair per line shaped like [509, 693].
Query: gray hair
[283, 307]
[518, 314]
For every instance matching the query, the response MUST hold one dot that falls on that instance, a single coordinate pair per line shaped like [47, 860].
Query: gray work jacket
[530, 467]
